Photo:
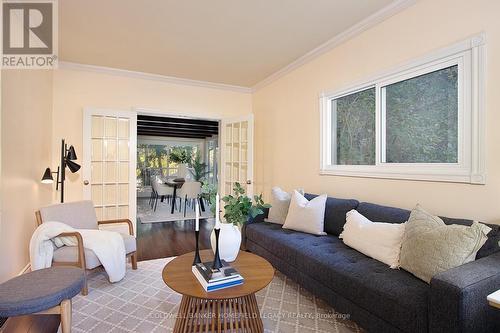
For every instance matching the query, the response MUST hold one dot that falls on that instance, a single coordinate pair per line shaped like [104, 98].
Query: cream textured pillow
[381, 241]
[306, 216]
[430, 246]
[280, 201]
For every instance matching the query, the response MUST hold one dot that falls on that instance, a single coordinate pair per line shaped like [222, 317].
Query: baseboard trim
[26, 269]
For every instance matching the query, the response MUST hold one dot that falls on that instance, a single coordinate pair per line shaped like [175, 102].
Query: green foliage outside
[153, 158]
[180, 155]
[421, 122]
[422, 118]
[356, 128]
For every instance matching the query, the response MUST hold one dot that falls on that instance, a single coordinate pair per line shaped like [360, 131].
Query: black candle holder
[217, 264]
[197, 258]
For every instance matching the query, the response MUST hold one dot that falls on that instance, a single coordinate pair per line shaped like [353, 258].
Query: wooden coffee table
[231, 309]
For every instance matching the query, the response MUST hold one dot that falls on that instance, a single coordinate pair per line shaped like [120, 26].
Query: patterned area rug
[143, 303]
[145, 214]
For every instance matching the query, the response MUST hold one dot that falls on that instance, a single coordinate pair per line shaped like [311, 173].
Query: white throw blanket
[108, 246]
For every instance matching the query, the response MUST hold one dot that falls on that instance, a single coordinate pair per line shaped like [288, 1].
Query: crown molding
[152, 77]
[372, 20]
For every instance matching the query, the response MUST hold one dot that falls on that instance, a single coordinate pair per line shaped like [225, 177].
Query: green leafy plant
[198, 168]
[209, 193]
[239, 208]
[179, 155]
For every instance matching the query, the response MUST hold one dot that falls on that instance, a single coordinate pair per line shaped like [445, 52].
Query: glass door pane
[109, 178]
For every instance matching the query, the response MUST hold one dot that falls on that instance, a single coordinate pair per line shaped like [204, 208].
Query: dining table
[177, 183]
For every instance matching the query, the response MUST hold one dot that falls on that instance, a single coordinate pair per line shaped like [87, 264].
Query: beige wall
[76, 89]
[26, 138]
[287, 111]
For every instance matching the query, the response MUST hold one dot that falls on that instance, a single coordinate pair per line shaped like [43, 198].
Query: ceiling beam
[175, 128]
[177, 120]
[171, 125]
[172, 135]
[169, 133]
[180, 131]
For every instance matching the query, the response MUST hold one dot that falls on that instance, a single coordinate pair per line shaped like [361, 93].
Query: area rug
[142, 302]
[145, 214]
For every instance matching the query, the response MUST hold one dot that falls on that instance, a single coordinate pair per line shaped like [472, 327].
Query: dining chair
[189, 192]
[160, 191]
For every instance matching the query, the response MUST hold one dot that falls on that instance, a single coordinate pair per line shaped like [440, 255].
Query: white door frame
[87, 126]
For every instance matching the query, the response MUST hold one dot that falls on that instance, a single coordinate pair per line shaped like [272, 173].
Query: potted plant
[238, 209]
[198, 169]
[182, 157]
[209, 193]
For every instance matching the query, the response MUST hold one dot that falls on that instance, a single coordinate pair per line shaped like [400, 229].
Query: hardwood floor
[167, 239]
[32, 324]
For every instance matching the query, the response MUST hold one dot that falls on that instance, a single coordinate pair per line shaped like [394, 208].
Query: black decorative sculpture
[217, 264]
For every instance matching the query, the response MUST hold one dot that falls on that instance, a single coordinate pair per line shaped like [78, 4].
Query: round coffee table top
[256, 271]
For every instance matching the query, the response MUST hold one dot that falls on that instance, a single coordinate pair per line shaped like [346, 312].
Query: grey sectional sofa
[378, 298]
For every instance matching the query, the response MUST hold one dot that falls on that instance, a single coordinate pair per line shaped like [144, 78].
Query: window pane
[354, 120]
[422, 118]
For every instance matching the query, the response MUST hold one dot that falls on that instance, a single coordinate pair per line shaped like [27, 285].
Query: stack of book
[217, 279]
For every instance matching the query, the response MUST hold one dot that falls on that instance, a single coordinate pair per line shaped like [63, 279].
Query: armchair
[81, 215]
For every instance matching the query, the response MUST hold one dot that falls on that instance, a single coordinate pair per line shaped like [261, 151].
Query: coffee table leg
[200, 315]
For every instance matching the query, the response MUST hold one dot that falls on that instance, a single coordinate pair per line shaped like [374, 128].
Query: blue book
[221, 284]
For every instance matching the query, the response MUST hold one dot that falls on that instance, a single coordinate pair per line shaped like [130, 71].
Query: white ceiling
[233, 42]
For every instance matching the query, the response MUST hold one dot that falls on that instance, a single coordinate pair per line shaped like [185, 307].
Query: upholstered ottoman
[45, 291]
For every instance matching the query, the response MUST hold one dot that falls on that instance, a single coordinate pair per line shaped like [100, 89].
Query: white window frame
[469, 55]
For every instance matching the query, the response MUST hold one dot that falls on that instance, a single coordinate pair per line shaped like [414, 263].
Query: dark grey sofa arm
[457, 300]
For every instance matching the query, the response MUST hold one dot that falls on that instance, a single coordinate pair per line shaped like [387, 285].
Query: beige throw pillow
[381, 241]
[306, 216]
[280, 201]
[430, 246]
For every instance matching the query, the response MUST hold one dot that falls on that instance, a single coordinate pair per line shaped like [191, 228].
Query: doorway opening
[177, 163]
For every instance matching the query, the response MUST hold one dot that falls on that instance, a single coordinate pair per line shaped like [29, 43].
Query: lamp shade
[71, 154]
[73, 166]
[47, 177]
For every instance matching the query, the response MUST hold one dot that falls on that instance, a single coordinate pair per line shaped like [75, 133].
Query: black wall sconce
[68, 158]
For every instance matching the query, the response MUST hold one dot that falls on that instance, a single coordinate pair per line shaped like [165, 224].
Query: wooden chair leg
[133, 260]
[85, 288]
[66, 316]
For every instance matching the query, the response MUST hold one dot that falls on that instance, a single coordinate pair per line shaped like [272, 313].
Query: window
[353, 116]
[420, 122]
[153, 159]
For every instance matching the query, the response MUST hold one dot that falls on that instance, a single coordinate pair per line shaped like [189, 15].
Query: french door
[237, 154]
[109, 159]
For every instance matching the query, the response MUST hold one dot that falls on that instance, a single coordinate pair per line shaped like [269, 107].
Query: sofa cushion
[70, 254]
[335, 212]
[397, 215]
[394, 295]
[284, 243]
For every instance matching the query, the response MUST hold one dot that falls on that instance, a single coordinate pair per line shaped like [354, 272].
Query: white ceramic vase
[229, 241]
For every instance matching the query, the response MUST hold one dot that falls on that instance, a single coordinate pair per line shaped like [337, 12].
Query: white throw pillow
[381, 241]
[280, 201]
[306, 216]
